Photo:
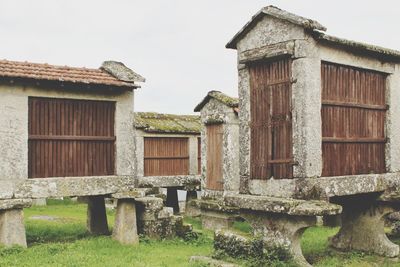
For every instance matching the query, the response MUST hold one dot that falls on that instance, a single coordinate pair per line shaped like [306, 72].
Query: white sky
[177, 45]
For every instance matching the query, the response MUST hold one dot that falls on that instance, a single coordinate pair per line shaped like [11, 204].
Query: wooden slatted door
[353, 120]
[165, 156]
[214, 156]
[70, 138]
[271, 120]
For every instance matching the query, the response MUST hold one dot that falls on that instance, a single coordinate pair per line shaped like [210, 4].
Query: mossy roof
[232, 102]
[167, 123]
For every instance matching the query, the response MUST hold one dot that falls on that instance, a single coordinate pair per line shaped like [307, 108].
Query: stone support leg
[125, 227]
[172, 199]
[214, 220]
[363, 228]
[96, 216]
[191, 210]
[281, 230]
[12, 228]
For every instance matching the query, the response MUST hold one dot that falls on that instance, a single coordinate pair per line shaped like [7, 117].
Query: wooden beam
[71, 138]
[353, 140]
[354, 105]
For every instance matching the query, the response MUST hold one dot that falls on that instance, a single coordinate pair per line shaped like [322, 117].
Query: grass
[62, 240]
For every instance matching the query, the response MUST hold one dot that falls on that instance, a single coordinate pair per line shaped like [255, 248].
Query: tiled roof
[36, 71]
[167, 123]
[232, 102]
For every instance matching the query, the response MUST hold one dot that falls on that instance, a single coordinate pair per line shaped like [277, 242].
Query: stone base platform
[215, 215]
[281, 221]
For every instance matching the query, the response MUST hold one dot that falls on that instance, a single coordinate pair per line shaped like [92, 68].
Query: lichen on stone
[167, 123]
[229, 101]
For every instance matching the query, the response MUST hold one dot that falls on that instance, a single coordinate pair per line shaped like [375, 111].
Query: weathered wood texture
[214, 156]
[271, 120]
[353, 120]
[165, 156]
[198, 155]
[70, 138]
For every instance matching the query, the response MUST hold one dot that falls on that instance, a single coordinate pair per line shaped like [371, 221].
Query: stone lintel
[282, 205]
[188, 182]
[74, 186]
[268, 51]
[8, 204]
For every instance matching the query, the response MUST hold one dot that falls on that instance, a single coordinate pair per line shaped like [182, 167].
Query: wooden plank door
[353, 120]
[166, 156]
[214, 156]
[70, 138]
[271, 120]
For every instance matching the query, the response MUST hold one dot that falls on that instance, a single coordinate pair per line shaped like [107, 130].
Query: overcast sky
[177, 45]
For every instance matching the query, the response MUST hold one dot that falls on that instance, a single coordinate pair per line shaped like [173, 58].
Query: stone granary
[168, 153]
[319, 128]
[220, 154]
[67, 132]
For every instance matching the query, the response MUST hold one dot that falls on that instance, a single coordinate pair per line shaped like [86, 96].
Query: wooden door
[214, 156]
[70, 138]
[353, 120]
[271, 120]
[165, 156]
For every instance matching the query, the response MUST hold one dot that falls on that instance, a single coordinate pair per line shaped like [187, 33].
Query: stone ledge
[282, 205]
[74, 186]
[188, 182]
[8, 204]
[213, 205]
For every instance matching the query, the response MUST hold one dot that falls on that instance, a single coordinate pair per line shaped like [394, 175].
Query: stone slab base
[363, 221]
[280, 230]
[207, 261]
[125, 227]
[12, 228]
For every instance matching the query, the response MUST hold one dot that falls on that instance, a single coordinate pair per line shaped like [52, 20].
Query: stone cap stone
[213, 205]
[121, 72]
[133, 194]
[7, 204]
[282, 205]
[232, 102]
[188, 182]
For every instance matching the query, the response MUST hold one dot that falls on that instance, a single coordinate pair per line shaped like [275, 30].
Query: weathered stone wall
[216, 112]
[14, 129]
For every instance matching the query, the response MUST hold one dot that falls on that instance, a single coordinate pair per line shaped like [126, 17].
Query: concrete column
[125, 227]
[193, 162]
[12, 228]
[172, 199]
[191, 210]
[96, 216]
[363, 222]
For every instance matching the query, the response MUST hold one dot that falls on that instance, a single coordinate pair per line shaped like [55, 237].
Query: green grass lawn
[57, 236]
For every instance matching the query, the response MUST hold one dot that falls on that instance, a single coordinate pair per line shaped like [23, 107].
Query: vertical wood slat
[271, 120]
[165, 156]
[49, 155]
[214, 157]
[353, 109]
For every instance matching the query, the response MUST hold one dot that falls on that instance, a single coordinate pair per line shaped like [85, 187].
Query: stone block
[12, 228]
[97, 216]
[6, 204]
[213, 220]
[125, 228]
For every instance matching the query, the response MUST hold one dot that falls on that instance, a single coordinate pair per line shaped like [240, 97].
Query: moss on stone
[167, 123]
[232, 102]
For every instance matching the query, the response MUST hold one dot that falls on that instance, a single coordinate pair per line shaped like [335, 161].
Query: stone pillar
[363, 222]
[96, 216]
[193, 162]
[12, 228]
[39, 202]
[281, 230]
[172, 199]
[190, 209]
[125, 227]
